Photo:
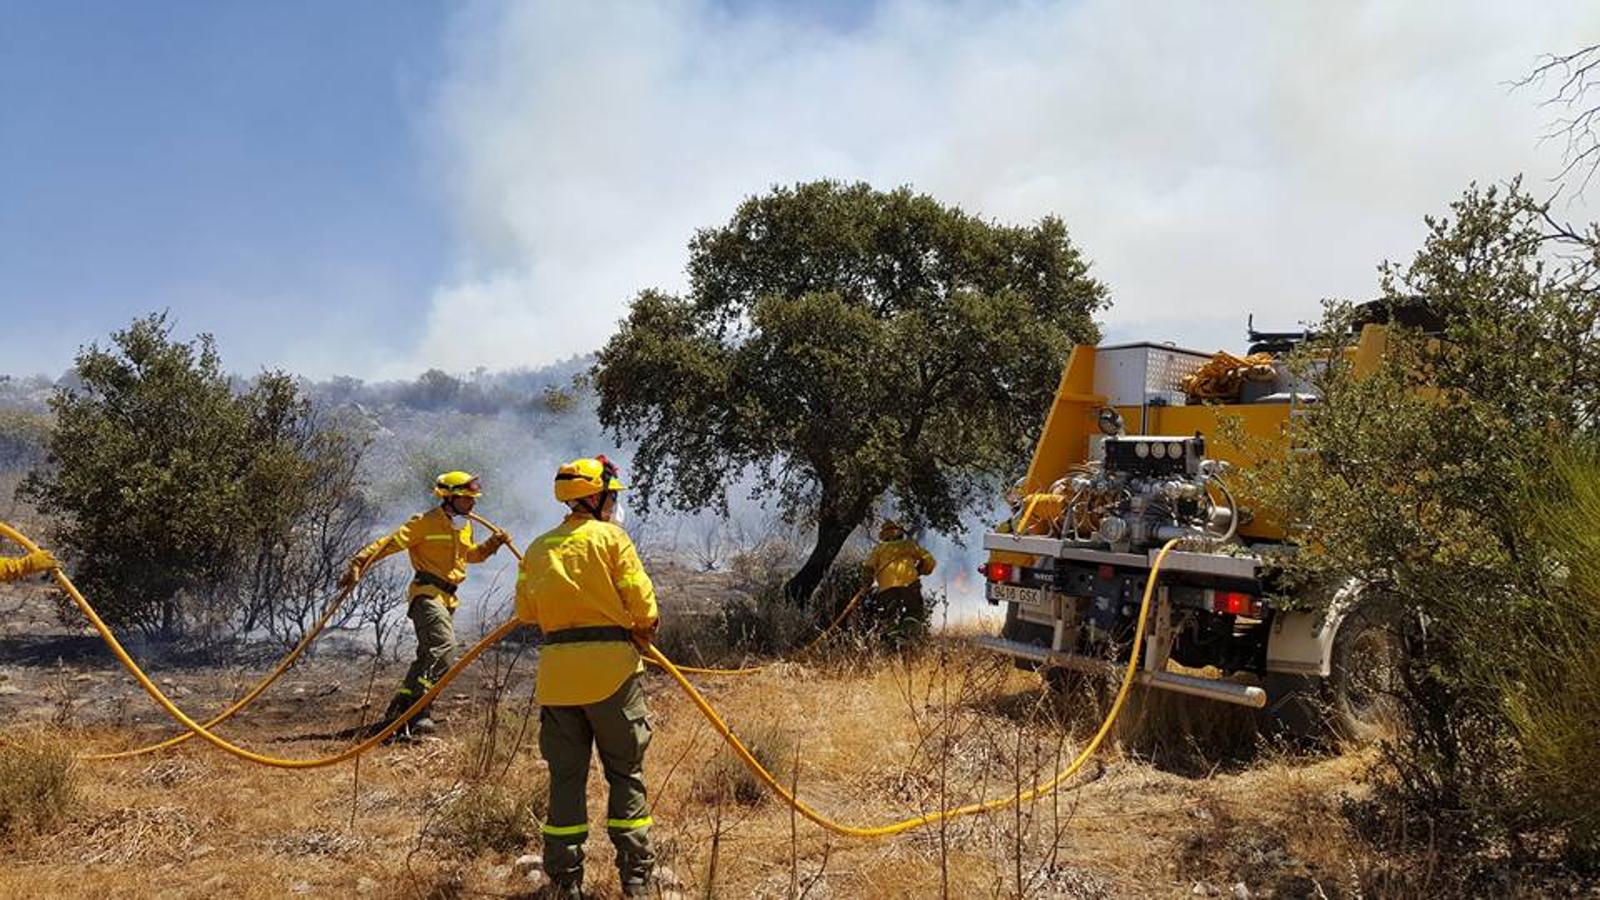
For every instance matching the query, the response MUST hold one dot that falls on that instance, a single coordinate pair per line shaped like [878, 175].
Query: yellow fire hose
[656, 656]
[283, 666]
[693, 670]
[221, 743]
[903, 825]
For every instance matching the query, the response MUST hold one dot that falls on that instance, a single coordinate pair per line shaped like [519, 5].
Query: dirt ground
[865, 737]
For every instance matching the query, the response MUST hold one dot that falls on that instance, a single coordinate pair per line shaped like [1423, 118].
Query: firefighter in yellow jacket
[440, 551]
[582, 583]
[15, 567]
[897, 565]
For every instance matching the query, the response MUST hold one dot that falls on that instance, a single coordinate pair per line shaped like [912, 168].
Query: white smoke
[1211, 159]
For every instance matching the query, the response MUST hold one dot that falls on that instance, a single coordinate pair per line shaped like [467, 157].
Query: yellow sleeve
[14, 567]
[388, 545]
[925, 561]
[527, 609]
[476, 552]
[637, 592]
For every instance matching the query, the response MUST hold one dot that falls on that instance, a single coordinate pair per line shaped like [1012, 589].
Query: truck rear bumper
[1225, 691]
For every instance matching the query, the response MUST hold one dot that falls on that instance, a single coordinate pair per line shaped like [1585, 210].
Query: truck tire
[1356, 702]
[1361, 688]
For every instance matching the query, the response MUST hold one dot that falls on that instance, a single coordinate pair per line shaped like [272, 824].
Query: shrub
[725, 778]
[1420, 485]
[489, 816]
[254, 498]
[38, 784]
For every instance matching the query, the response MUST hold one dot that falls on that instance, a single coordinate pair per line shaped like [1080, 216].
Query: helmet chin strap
[599, 504]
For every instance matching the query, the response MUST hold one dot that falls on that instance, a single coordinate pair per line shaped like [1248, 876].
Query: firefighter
[583, 585]
[13, 568]
[440, 551]
[897, 565]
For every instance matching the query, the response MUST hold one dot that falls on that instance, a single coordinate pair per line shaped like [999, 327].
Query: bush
[725, 778]
[181, 500]
[1553, 690]
[487, 816]
[38, 785]
[24, 437]
[1421, 484]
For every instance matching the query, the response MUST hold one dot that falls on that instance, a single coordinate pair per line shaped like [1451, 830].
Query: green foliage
[24, 437]
[559, 400]
[433, 390]
[1421, 476]
[1552, 690]
[847, 345]
[181, 500]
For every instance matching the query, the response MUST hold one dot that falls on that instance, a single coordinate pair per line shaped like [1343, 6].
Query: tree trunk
[833, 529]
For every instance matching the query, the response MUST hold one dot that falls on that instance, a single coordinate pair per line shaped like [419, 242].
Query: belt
[432, 580]
[589, 633]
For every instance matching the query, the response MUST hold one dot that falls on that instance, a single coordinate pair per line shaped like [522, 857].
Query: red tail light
[1236, 603]
[997, 572]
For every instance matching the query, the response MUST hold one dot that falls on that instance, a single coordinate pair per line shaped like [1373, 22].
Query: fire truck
[1144, 443]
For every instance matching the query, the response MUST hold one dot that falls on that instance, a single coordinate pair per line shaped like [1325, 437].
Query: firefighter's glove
[496, 541]
[41, 561]
[350, 577]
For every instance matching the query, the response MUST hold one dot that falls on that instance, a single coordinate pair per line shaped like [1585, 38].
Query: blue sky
[254, 167]
[375, 188]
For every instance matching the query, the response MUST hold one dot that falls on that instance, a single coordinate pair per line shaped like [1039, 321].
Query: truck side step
[1210, 688]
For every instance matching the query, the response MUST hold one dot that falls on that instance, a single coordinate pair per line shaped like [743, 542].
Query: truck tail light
[1236, 603]
[997, 572]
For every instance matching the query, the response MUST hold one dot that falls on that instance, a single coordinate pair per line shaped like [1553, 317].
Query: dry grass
[38, 784]
[488, 816]
[864, 736]
[726, 779]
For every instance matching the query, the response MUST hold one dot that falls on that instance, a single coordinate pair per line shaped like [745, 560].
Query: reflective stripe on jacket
[437, 547]
[899, 563]
[584, 573]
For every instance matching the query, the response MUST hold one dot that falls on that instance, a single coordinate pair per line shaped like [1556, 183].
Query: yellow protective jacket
[14, 567]
[437, 547]
[584, 573]
[899, 563]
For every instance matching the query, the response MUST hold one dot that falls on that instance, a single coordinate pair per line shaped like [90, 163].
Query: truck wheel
[1362, 687]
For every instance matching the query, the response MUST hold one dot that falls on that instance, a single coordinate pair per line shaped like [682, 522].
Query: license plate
[1014, 593]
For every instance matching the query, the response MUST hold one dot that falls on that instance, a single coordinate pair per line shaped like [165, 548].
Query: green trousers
[903, 614]
[436, 650]
[617, 726]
